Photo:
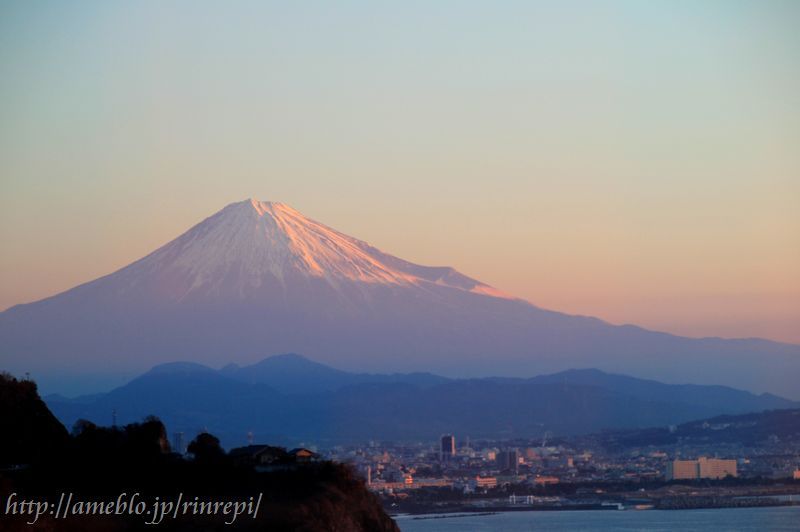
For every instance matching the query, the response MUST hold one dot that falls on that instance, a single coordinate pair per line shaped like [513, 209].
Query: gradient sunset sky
[635, 161]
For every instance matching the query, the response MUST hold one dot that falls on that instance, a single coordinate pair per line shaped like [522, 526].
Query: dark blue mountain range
[291, 399]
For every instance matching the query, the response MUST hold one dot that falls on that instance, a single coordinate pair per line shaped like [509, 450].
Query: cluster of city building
[481, 466]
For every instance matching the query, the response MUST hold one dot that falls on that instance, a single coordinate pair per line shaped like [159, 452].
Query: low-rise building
[484, 482]
[544, 480]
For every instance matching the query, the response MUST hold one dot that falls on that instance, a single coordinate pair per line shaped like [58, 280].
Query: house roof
[255, 450]
[302, 451]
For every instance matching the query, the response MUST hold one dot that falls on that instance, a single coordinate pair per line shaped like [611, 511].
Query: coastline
[703, 504]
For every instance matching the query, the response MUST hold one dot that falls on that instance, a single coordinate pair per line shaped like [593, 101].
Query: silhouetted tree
[134, 445]
[206, 449]
[147, 439]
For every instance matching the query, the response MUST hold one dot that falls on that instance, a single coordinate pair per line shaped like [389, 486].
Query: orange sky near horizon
[633, 161]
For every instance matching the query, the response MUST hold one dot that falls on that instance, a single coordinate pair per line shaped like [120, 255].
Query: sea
[779, 518]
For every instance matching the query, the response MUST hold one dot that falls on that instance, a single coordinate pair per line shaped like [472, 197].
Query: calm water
[786, 518]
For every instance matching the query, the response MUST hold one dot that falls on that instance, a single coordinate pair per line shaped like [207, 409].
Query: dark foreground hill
[134, 464]
[291, 399]
[30, 432]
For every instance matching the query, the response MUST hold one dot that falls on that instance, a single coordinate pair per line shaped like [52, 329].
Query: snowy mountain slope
[258, 278]
[252, 246]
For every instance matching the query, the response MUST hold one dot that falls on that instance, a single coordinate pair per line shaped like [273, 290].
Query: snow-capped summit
[252, 244]
[259, 278]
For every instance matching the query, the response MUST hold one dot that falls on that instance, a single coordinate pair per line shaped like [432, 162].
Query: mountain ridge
[357, 407]
[260, 277]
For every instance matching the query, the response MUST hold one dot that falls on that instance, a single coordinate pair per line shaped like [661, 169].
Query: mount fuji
[259, 278]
